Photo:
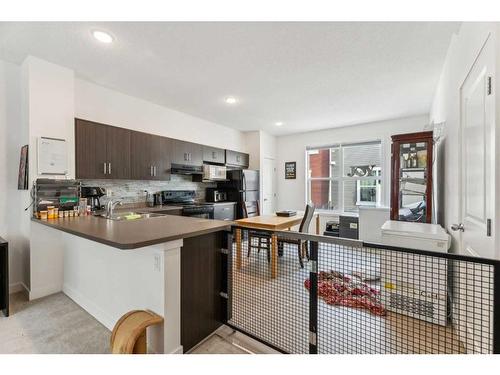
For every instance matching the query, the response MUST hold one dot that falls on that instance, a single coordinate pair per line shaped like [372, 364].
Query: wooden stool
[129, 333]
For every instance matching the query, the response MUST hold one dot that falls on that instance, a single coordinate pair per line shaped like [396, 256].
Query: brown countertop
[132, 234]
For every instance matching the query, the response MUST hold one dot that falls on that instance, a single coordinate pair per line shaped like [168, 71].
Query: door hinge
[490, 88]
[313, 266]
[488, 227]
[313, 338]
[224, 295]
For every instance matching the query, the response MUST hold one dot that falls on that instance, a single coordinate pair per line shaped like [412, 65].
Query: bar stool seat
[129, 333]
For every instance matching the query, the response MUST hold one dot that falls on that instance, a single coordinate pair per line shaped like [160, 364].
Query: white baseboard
[18, 287]
[90, 307]
[44, 291]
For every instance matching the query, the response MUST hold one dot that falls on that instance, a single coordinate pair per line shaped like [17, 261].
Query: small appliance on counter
[62, 195]
[93, 195]
[332, 229]
[215, 195]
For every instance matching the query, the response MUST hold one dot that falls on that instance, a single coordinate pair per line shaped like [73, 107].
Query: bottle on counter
[50, 212]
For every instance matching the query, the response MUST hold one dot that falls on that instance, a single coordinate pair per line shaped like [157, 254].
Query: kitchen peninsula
[110, 267]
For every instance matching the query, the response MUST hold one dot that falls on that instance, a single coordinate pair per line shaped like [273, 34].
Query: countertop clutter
[134, 234]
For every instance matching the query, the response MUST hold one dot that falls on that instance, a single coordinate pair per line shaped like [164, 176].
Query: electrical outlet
[157, 265]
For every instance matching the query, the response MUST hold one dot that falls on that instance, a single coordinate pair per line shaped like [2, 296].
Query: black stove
[186, 199]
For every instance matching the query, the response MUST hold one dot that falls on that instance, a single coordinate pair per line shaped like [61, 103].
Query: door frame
[461, 155]
[274, 184]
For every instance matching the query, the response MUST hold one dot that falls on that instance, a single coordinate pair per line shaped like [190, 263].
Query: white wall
[260, 145]
[13, 135]
[463, 50]
[252, 142]
[97, 103]
[291, 193]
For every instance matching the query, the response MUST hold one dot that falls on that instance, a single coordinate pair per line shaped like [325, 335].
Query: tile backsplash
[132, 191]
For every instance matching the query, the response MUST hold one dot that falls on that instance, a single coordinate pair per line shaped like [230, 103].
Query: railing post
[496, 308]
[226, 277]
[313, 298]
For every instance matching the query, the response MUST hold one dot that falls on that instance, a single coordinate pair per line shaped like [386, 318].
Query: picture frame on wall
[22, 180]
[290, 170]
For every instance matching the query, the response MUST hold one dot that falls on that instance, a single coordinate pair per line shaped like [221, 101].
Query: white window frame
[343, 178]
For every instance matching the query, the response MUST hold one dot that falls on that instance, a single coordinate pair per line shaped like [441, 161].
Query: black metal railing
[355, 297]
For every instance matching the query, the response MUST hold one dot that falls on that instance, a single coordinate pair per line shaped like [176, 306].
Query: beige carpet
[51, 325]
[57, 325]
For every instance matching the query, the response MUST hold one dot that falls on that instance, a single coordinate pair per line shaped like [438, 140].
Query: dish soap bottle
[149, 199]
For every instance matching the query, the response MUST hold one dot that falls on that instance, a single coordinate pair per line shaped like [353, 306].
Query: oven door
[202, 214]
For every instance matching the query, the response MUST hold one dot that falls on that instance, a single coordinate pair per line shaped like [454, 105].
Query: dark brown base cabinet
[201, 304]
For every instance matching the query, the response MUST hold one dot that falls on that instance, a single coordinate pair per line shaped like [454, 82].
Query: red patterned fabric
[343, 290]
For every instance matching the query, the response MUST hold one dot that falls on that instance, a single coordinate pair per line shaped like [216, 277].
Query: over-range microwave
[214, 172]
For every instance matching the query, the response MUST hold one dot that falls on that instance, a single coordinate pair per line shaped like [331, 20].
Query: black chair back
[306, 220]
[251, 209]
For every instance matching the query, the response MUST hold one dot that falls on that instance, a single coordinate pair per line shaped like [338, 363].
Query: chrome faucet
[110, 206]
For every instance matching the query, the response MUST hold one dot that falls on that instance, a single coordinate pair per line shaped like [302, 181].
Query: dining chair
[252, 209]
[302, 245]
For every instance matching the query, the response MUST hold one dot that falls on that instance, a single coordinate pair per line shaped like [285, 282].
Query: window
[344, 177]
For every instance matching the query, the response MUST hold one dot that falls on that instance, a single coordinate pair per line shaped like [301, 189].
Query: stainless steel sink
[131, 216]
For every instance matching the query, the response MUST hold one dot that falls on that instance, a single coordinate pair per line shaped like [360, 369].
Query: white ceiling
[307, 75]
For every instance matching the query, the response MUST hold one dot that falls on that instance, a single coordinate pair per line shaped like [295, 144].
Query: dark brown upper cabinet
[237, 159]
[187, 153]
[108, 152]
[213, 155]
[101, 151]
[150, 157]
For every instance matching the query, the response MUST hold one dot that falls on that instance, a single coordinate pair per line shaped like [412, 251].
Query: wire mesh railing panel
[273, 308]
[369, 299]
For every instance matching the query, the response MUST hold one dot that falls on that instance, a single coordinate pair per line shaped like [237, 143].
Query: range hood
[186, 169]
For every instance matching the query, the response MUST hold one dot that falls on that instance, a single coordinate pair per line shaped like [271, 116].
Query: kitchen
[135, 191]
[104, 152]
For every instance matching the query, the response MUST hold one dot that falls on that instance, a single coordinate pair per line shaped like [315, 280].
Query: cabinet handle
[189, 156]
[238, 158]
[104, 168]
[214, 155]
[154, 170]
[151, 170]
[109, 168]
[185, 156]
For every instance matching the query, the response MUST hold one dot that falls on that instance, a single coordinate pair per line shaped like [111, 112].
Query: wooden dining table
[267, 222]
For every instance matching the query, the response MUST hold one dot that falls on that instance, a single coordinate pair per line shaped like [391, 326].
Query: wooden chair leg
[249, 244]
[299, 248]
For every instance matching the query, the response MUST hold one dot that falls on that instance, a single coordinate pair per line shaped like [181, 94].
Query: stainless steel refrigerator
[242, 186]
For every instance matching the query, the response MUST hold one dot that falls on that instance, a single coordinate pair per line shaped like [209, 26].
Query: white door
[269, 187]
[478, 157]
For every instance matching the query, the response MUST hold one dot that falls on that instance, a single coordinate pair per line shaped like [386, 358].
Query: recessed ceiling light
[231, 100]
[279, 123]
[102, 36]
